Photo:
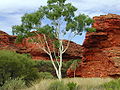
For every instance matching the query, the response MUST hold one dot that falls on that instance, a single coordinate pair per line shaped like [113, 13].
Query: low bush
[57, 85]
[112, 85]
[72, 86]
[45, 75]
[46, 66]
[13, 65]
[14, 84]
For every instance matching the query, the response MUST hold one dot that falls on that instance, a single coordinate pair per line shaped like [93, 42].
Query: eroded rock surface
[7, 42]
[73, 52]
[101, 56]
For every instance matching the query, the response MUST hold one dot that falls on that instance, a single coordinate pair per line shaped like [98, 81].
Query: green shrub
[57, 85]
[13, 65]
[27, 55]
[68, 63]
[72, 86]
[45, 75]
[14, 84]
[112, 85]
[46, 66]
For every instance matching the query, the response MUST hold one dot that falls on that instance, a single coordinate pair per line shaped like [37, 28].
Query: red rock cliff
[74, 51]
[7, 43]
[101, 55]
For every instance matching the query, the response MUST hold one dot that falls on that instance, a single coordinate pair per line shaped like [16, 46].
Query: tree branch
[68, 44]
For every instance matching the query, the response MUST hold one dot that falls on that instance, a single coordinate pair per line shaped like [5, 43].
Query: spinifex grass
[84, 83]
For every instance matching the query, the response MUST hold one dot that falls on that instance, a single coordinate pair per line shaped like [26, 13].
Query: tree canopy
[59, 13]
[61, 20]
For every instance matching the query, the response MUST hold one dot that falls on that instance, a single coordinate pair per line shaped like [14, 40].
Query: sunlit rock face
[101, 53]
[7, 42]
[73, 52]
[4, 38]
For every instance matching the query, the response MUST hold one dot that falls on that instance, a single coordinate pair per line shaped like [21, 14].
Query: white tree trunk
[60, 66]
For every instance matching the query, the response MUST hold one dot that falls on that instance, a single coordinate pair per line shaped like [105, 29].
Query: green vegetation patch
[112, 85]
[13, 65]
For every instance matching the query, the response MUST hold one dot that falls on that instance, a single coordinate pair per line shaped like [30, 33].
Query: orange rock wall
[73, 52]
[7, 43]
[101, 56]
[101, 52]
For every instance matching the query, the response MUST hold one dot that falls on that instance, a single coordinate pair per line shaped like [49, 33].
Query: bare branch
[66, 47]
[41, 46]
[68, 43]
[46, 43]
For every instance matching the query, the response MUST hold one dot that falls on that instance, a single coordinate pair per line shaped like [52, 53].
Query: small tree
[60, 22]
[74, 66]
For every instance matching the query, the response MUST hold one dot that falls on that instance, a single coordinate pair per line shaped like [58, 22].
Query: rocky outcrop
[7, 42]
[4, 38]
[101, 56]
[73, 52]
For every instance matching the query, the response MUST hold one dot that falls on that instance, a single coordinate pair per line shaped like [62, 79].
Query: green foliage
[45, 75]
[46, 66]
[56, 44]
[13, 65]
[69, 63]
[27, 55]
[75, 64]
[112, 85]
[19, 38]
[14, 84]
[72, 86]
[31, 20]
[47, 30]
[90, 29]
[57, 85]
[17, 29]
[62, 21]
[54, 1]
[57, 11]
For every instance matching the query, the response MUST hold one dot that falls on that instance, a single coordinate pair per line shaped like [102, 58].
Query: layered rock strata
[73, 52]
[7, 42]
[101, 56]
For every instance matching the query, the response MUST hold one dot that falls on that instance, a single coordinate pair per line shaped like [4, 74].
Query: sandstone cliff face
[7, 42]
[101, 55]
[3, 38]
[74, 51]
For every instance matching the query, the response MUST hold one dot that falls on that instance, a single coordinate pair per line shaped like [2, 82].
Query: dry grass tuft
[84, 83]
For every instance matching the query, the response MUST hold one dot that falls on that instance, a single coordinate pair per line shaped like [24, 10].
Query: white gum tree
[61, 22]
